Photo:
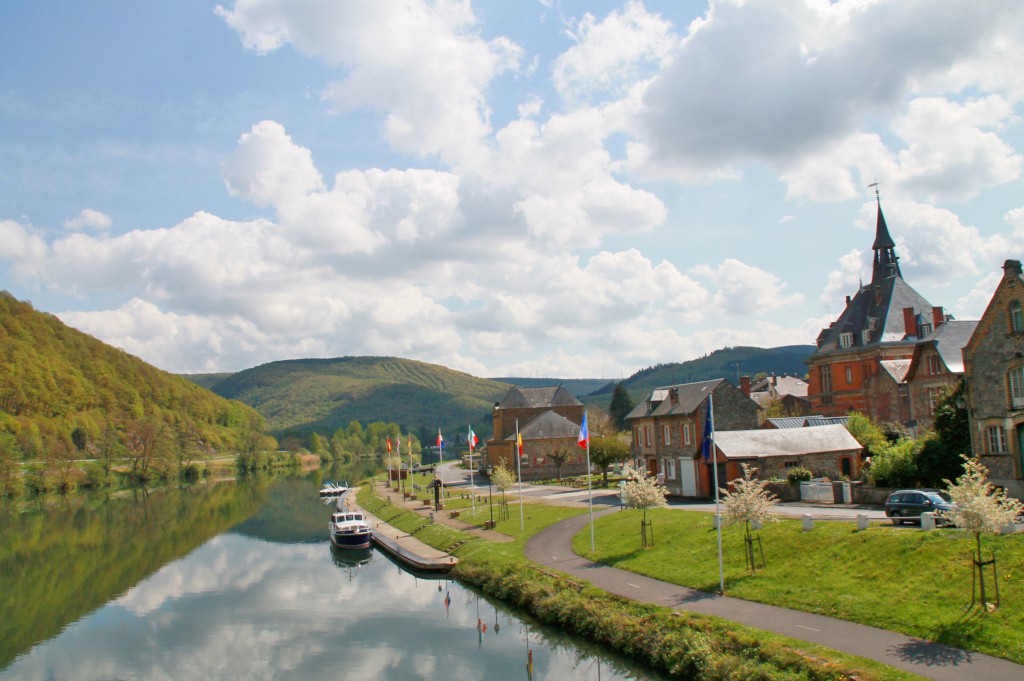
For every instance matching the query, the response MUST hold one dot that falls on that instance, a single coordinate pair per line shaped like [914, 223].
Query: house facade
[668, 427]
[827, 451]
[882, 322]
[547, 420]
[936, 367]
[994, 380]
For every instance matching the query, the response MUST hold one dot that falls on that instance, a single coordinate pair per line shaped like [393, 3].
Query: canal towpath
[552, 547]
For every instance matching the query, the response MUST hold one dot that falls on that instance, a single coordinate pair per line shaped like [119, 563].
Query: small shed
[827, 451]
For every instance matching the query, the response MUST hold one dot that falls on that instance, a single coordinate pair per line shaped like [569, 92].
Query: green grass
[913, 582]
[482, 561]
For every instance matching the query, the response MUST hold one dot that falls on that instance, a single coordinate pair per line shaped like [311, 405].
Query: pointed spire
[886, 263]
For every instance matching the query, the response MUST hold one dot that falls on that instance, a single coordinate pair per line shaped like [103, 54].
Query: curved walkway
[553, 548]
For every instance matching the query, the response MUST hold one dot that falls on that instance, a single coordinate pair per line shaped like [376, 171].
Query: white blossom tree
[503, 479]
[980, 508]
[644, 493]
[751, 504]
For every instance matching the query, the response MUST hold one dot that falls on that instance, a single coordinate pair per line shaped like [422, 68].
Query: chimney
[775, 379]
[1011, 267]
[745, 385]
[937, 317]
[909, 322]
[673, 396]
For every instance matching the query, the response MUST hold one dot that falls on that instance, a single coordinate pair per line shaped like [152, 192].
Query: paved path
[553, 547]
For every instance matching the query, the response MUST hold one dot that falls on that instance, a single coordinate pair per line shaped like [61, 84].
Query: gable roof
[538, 398]
[897, 368]
[689, 398]
[949, 341]
[783, 385]
[762, 443]
[547, 425]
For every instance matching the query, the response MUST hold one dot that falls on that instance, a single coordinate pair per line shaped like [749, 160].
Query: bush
[897, 466]
[797, 475]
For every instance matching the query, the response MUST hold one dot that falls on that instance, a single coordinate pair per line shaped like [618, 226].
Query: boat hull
[353, 540]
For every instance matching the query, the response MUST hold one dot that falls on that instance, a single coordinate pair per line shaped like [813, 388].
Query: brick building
[936, 367]
[669, 425]
[994, 378]
[548, 420]
[882, 322]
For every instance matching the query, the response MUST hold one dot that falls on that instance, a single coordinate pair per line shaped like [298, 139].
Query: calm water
[240, 582]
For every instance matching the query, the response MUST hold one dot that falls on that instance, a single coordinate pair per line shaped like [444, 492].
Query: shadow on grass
[944, 650]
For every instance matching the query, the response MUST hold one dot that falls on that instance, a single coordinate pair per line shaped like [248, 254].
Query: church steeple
[886, 262]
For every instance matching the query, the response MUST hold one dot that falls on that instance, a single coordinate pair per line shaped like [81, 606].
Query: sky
[532, 188]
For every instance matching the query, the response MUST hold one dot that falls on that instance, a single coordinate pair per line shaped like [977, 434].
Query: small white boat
[333, 489]
[349, 530]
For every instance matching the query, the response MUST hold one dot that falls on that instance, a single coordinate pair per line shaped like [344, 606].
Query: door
[1020, 448]
[688, 477]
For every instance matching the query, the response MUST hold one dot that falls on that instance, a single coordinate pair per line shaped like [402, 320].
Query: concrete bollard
[862, 521]
[717, 520]
[927, 521]
[808, 522]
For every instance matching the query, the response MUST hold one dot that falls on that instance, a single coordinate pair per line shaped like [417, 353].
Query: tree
[980, 508]
[605, 451]
[940, 456]
[620, 406]
[644, 493]
[559, 457]
[503, 479]
[749, 503]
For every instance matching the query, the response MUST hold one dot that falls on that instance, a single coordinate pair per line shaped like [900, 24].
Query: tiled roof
[538, 398]
[949, 339]
[689, 398]
[756, 444]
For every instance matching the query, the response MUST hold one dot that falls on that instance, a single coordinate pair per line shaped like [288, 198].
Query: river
[239, 581]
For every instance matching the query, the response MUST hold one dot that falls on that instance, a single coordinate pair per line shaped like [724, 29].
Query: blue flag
[709, 432]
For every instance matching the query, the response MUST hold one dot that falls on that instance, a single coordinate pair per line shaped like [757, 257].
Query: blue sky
[533, 188]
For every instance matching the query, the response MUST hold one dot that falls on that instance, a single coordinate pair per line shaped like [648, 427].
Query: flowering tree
[503, 479]
[979, 507]
[748, 503]
[644, 493]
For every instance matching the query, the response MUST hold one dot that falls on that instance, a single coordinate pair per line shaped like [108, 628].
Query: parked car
[907, 505]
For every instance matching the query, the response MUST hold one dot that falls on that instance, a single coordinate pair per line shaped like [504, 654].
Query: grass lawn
[903, 580]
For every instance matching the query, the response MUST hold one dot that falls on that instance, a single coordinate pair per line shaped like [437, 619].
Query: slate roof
[691, 397]
[538, 398]
[807, 421]
[897, 368]
[761, 443]
[949, 340]
[784, 385]
[547, 425]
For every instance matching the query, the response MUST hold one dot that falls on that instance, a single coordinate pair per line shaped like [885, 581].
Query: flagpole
[519, 474]
[412, 480]
[585, 432]
[718, 515]
[472, 493]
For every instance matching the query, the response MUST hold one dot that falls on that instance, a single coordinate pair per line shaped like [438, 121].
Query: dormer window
[845, 340]
[872, 323]
[923, 330]
[1016, 316]
[865, 337]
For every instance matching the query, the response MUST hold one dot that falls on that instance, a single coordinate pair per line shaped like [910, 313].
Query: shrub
[897, 466]
[797, 475]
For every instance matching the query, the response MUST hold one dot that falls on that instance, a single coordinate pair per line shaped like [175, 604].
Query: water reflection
[242, 607]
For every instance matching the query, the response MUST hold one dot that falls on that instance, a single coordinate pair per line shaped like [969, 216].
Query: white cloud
[746, 290]
[18, 242]
[268, 169]
[89, 219]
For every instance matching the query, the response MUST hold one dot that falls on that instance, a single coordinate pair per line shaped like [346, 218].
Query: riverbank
[678, 644]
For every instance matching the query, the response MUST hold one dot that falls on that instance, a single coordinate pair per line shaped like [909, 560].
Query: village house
[827, 451]
[861, 359]
[994, 378]
[936, 368]
[668, 428]
[787, 394]
[547, 421]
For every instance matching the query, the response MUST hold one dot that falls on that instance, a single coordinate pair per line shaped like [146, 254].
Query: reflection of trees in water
[63, 558]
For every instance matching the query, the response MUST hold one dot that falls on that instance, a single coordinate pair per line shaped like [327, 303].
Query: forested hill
[61, 386]
[727, 363]
[322, 395]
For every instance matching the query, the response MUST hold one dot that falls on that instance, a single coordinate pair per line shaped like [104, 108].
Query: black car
[909, 504]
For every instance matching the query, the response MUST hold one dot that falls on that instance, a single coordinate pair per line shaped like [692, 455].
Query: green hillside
[61, 388]
[322, 395]
[727, 363]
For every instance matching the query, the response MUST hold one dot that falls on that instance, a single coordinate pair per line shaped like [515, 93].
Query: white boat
[349, 530]
[333, 489]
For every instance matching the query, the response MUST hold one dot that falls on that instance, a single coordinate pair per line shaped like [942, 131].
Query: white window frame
[666, 432]
[686, 433]
[846, 339]
[996, 439]
[849, 375]
[647, 436]
[1015, 380]
[865, 336]
[671, 473]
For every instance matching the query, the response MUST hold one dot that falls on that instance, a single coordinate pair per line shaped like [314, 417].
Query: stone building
[547, 420]
[668, 428]
[994, 378]
[936, 367]
[827, 451]
[881, 323]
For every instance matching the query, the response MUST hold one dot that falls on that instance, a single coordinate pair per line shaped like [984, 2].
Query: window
[1016, 381]
[790, 464]
[996, 441]
[849, 375]
[872, 323]
[1016, 316]
[845, 339]
[636, 436]
[686, 433]
[933, 400]
[865, 337]
[923, 330]
[647, 436]
[666, 434]
[671, 474]
[825, 372]
[934, 365]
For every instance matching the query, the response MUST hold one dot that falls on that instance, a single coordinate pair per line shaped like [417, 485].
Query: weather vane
[875, 185]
